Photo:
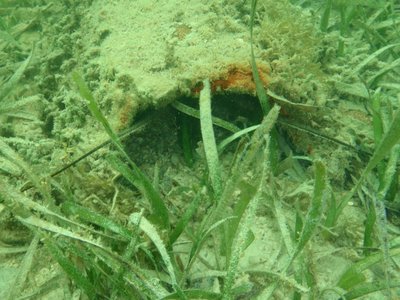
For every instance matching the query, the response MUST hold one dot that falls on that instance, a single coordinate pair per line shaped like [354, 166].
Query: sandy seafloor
[140, 56]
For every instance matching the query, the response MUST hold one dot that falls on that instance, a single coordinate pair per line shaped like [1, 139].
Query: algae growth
[138, 160]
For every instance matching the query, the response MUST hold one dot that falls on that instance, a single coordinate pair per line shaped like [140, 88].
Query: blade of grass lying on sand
[69, 268]
[28, 206]
[13, 157]
[95, 218]
[151, 232]
[134, 174]
[16, 287]
[47, 226]
[195, 294]
[285, 280]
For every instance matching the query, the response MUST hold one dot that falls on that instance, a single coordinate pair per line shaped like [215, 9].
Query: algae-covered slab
[150, 52]
[159, 50]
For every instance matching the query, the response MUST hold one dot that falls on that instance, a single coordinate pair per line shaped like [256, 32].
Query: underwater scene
[200, 149]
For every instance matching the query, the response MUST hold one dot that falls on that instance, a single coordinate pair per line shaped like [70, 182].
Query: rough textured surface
[157, 51]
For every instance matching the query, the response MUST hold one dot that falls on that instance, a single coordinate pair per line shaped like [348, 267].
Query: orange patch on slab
[236, 78]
